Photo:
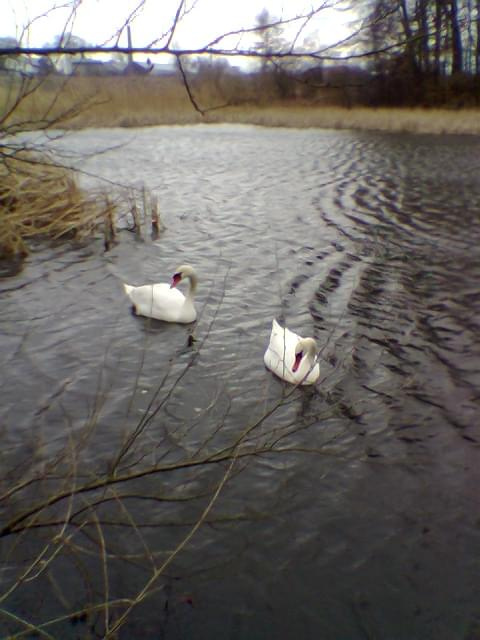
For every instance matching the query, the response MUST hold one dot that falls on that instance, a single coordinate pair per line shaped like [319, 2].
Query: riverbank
[292, 115]
[434, 121]
[80, 102]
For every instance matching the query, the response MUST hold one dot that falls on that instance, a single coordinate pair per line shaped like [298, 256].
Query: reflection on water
[358, 515]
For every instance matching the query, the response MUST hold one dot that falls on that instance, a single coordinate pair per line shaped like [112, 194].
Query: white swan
[291, 357]
[164, 302]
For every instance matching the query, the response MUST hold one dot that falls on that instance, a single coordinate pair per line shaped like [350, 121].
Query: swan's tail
[128, 288]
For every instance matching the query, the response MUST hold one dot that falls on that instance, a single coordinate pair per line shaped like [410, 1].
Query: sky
[97, 20]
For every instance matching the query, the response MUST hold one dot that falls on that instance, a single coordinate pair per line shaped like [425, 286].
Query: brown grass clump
[42, 200]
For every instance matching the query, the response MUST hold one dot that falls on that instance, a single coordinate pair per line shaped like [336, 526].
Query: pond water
[343, 511]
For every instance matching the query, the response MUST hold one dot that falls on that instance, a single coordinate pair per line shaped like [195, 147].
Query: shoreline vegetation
[42, 200]
[80, 103]
[385, 119]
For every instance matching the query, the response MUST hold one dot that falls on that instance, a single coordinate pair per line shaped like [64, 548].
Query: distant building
[135, 68]
[70, 65]
[90, 67]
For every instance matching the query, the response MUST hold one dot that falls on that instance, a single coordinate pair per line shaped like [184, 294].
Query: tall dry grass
[399, 120]
[79, 102]
[42, 200]
[137, 101]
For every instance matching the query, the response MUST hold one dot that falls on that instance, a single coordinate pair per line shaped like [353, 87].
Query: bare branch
[187, 86]
[175, 23]
[129, 19]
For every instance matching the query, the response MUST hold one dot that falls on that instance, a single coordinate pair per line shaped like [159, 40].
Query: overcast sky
[96, 20]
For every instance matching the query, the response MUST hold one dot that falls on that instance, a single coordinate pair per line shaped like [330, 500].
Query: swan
[163, 301]
[292, 357]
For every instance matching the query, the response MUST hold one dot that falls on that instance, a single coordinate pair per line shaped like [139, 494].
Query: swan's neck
[310, 357]
[192, 278]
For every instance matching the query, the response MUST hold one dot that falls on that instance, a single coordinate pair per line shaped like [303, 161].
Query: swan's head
[184, 271]
[304, 347]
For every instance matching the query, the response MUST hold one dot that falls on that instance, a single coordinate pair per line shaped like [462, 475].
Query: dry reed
[136, 101]
[116, 101]
[42, 200]
[394, 120]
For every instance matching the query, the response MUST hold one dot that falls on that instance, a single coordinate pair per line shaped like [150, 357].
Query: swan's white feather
[279, 357]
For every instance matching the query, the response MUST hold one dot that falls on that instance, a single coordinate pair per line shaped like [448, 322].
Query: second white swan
[292, 357]
[163, 301]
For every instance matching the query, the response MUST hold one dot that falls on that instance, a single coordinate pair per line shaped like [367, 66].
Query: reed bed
[42, 200]
[395, 120]
[81, 102]
[127, 102]
[137, 101]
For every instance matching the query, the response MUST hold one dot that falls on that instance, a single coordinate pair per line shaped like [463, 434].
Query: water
[350, 512]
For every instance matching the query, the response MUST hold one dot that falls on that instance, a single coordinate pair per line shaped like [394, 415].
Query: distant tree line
[402, 53]
[422, 51]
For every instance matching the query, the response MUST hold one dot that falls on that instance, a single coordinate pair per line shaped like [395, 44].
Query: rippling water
[368, 526]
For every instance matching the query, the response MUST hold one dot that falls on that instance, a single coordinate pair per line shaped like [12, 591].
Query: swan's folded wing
[157, 301]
